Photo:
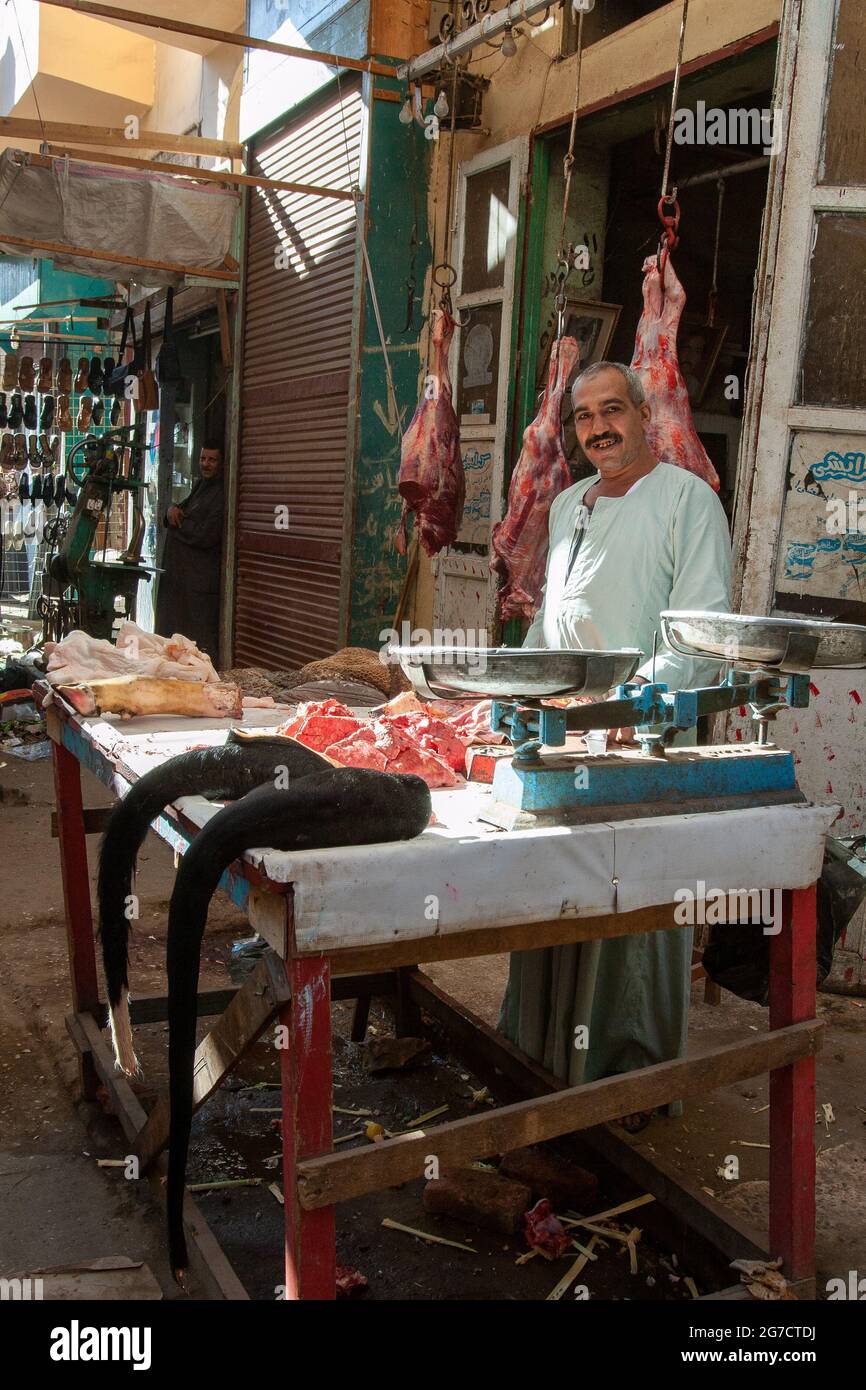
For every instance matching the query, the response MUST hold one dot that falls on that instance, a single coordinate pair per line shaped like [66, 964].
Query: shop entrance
[722, 187]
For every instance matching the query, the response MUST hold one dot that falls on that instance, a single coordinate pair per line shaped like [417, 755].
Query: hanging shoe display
[26, 374]
[95, 376]
[64, 377]
[4, 414]
[31, 419]
[46, 376]
[85, 411]
[64, 419]
[20, 451]
[23, 489]
[16, 412]
[46, 417]
[82, 374]
[7, 452]
[10, 371]
[116, 412]
[98, 412]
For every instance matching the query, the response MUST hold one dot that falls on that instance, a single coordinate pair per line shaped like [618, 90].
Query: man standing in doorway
[637, 537]
[188, 600]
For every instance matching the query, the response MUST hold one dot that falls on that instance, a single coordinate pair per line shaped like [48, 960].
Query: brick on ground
[566, 1184]
[482, 1199]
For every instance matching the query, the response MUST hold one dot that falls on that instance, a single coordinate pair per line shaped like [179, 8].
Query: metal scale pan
[795, 645]
[513, 673]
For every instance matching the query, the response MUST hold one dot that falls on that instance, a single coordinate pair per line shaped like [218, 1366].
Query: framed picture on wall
[593, 324]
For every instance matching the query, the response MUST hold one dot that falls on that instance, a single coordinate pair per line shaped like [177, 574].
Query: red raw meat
[441, 738]
[671, 432]
[473, 724]
[520, 541]
[384, 748]
[349, 1281]
[544, 1231]
[431, 479]
[303, 712]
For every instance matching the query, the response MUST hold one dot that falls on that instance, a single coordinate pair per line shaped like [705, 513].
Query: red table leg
[792, 1091]
[76, 897]
[305, 1067]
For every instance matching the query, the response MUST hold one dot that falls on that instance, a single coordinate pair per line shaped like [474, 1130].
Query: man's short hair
[633, 383]
[213, 446]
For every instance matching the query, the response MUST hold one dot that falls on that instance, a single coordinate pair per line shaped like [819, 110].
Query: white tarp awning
[150, 216]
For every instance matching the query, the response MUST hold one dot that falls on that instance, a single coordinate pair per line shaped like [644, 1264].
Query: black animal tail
[230, 770]
[345, 806]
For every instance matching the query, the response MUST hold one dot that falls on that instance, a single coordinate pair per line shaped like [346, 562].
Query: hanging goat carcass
[431, 479]
[671, 431]
[520, 541]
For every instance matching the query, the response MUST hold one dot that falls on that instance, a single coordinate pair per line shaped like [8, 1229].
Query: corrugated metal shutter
[296, 371]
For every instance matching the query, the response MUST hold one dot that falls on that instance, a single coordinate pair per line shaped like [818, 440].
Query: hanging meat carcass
[520, 541]
[671, 432]
[431, 479]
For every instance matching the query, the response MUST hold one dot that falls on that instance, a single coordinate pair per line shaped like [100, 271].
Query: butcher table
[354, 922]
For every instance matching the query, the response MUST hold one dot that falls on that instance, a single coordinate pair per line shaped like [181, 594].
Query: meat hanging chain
[671, 432]
[520, 541]
[431, 480]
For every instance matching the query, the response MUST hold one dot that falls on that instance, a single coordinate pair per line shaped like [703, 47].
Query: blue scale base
[570, 787]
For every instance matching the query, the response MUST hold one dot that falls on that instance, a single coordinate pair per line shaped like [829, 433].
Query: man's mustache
[603, 439]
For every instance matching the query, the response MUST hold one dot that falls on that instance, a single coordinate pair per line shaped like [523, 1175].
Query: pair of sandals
[22, 412]
[92, 375]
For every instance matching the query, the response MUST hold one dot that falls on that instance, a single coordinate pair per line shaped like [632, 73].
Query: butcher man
[188, 600]
[637, 537]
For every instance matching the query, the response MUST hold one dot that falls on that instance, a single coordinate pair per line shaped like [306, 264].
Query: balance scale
[543, 781]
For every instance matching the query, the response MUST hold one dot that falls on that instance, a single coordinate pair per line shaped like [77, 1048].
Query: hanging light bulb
[440, 106]
[508, 47]
[405, 116]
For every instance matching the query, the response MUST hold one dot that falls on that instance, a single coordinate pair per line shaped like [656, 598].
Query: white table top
[462, 874]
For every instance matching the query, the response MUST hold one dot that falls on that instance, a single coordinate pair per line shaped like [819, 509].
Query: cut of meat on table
[437, 736]
[385, 748]
[671, 433]
[520, 541]
[145, 695]
[80, 657]
[472, 724]
[431, 480]
[319, 723]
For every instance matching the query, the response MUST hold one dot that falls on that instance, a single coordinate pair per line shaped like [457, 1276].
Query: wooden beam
[206, 1258]
[23, 128]
[56, 248]
[336, 1177]
[253, 1006]
[95, 820]
[199, 31]
[494, 941]
[223, 176]
[225, 330]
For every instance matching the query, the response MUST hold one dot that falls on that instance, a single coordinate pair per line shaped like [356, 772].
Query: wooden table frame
[296, 991]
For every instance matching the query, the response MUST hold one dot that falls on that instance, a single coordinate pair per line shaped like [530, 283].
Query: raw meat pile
[407, 737]
[431, 479]
[671, 433]
[520, 541]
[138, 653]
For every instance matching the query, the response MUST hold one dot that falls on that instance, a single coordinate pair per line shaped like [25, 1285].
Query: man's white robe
[665, 544]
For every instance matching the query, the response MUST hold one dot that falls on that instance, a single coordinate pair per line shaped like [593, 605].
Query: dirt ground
[57, 1206]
